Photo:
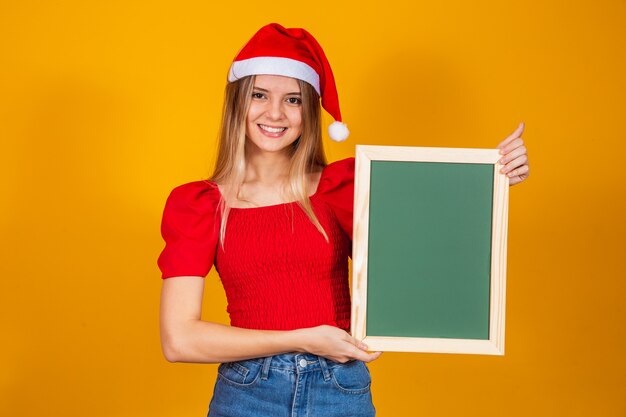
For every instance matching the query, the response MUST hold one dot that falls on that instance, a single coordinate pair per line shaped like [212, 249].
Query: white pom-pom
[338, 131]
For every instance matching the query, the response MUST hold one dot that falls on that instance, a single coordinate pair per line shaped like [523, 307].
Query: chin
[271, 147]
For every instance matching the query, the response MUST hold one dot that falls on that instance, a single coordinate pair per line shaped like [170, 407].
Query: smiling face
[274, 120]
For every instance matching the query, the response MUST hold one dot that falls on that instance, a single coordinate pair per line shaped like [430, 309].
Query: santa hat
[293, 52]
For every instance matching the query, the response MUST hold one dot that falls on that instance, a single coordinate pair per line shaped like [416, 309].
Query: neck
[267, 167]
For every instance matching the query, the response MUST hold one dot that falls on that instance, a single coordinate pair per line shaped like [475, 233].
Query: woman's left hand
[514, 157]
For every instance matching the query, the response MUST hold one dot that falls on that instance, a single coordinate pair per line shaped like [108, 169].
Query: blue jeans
[292, 385]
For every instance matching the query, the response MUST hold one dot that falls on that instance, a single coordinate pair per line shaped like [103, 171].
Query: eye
[294, 100]
[257, 95]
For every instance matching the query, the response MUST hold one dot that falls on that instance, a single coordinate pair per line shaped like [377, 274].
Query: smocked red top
[278, 271]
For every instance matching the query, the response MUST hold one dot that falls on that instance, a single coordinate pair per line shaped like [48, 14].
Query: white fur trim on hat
[338, 131]
[274, 66]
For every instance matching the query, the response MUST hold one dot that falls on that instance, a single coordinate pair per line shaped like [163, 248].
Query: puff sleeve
[336, 188]
[190, 228]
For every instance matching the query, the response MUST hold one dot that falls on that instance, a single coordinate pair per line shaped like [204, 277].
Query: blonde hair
[307, 152]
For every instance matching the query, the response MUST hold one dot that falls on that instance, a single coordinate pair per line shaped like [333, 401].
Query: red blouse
[278, 271]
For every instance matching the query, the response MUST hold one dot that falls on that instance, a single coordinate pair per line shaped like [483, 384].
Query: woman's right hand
[335, 344]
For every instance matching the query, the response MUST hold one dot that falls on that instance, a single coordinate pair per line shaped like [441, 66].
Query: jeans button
[303, 363]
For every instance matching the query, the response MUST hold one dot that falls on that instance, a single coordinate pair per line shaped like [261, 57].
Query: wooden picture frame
[435, 220]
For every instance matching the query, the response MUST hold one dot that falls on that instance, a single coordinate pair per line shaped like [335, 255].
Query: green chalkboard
[430, 230]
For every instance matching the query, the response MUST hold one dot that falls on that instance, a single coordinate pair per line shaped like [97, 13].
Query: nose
[274, 110]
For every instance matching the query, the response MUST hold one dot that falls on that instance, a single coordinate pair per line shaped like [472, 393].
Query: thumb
[516, 134]
[359, 344]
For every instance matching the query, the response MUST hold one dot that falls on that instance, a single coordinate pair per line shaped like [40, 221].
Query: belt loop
[265, 370]
[324, 367]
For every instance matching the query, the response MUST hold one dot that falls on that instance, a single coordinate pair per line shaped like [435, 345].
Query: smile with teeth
[271, 129]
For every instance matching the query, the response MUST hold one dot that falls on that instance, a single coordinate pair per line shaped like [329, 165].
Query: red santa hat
[291, 52]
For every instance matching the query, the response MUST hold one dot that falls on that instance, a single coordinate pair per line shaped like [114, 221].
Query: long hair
[307, 152]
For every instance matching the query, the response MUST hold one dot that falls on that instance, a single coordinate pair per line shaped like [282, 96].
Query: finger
[514, 144]
[515, 153]
[356, 342]
[516, 180]
[514, 164]
[516, 134]
[374, 356]
[522, 172]
[366, 356]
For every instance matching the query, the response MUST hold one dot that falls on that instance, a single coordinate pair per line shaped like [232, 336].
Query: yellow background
[106, 106]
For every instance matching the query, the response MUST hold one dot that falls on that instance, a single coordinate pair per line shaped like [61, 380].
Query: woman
[276, 221]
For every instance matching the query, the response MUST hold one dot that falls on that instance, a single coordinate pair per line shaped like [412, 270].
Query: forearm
[206, 342]
[186, 338]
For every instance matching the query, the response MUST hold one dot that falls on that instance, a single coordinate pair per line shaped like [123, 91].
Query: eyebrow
[297, 93]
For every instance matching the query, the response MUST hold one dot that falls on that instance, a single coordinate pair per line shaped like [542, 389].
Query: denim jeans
[292, 385]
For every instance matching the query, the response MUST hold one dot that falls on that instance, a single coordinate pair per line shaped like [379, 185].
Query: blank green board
[429, 253]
